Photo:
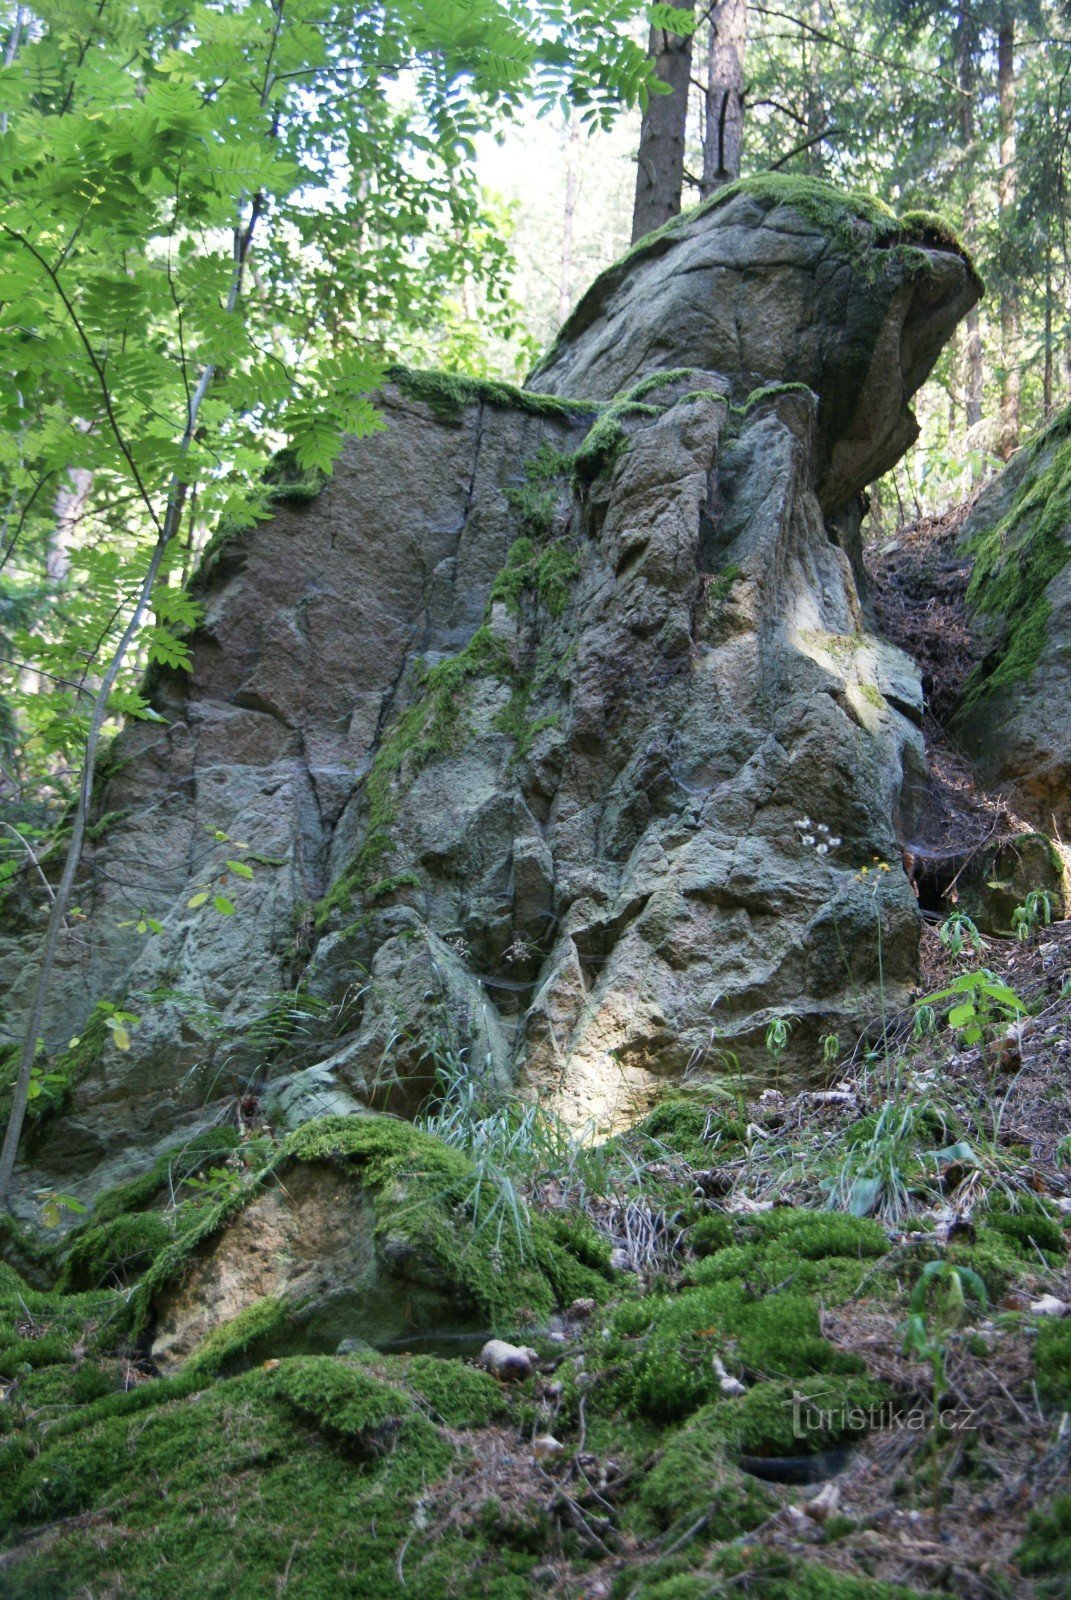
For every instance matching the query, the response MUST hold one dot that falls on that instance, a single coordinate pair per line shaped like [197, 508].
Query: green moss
[609, 438]
[1046, 1550]
[1052, 1360]
[772, 391]
[114, 1254]
[385, 887]
[1031, 1228]
[816, 1251]
[695, 1475]
[548, 574]
[244, 1337]
[1015, 560]
[710, 1234]
[166, 1175]
[316, 1471]
[796, 1418]
[662, 1347]
[720, 585]
[343, 1401]
[448, 394]
[429, 728]
[459, 1396]
[283, 482]
[931, 228]
[535, 499]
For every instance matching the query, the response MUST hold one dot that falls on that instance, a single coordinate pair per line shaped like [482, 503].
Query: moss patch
[448, 393]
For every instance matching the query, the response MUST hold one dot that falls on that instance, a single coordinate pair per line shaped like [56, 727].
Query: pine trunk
[660, 166]
[565, 276]
[1006, 194]
[966, 46]
[723, 129]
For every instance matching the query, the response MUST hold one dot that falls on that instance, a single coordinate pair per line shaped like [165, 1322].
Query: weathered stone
[523, 755]
[1015, 715]
[779, 281]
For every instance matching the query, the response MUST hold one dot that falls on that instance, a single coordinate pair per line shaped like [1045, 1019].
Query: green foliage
[982, 1004]
[1035, 913]
[958, 931]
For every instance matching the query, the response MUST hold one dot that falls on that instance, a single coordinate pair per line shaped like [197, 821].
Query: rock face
[780, 280]
[559, 748]
[1015, 716]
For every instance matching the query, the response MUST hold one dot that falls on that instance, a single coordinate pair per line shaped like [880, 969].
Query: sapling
[931, 1319]
[1034, 913]
[958, 931]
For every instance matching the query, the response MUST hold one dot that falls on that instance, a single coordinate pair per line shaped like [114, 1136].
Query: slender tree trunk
[69, 505]
[1006, 196]
[723, 128]
[966, 47]
[1047, 378]
[572, 173]
[660, 165]
[815, 108]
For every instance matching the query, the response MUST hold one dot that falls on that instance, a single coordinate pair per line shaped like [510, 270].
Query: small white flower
[808, 838]
[821, 828]
[834, 843]
[821, 849]
[804, 823]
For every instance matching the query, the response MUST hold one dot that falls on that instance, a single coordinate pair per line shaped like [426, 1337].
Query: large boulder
[556, 734]
[365, 1230]
[1015, 713]
[781, 279]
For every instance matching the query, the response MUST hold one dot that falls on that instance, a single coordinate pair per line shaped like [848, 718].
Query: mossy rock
[815, 1251]
[361, 1227]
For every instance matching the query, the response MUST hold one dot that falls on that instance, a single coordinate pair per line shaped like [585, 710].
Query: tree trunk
[815, 106]
[1006, 195]
[1046, 397]
[723, 129]
[966, 46]
[565, 276]
[660, 165]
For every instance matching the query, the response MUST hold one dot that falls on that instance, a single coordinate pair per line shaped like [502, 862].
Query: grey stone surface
[755, 290]
[623, 895]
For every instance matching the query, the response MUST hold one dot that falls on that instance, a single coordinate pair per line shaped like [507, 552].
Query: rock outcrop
[557, 737]
[1015, 716]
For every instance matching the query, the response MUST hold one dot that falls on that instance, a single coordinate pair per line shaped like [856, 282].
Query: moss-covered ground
[697, 1400]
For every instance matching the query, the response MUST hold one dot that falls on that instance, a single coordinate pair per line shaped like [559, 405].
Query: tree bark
[967, 43]
[660, 165]
[1006, 196]
[565, 276]
[723, 128]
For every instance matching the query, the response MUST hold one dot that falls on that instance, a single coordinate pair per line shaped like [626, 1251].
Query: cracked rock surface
[600, 856]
